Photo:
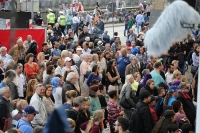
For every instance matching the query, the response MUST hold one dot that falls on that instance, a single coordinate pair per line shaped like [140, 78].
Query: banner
[9, 37]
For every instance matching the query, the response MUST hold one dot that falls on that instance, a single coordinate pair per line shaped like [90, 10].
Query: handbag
[123, 100]
[7, 122]
[194, 69]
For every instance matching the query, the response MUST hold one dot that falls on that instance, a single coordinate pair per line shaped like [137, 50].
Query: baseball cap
[173, 88]
[67, 59]
[30, 110]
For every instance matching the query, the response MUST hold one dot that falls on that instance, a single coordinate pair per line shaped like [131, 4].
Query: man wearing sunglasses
[24, 123]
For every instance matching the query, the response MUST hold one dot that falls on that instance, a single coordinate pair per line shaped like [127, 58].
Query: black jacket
[58, 31]
[153, 92]
[1, 75]
[4, 111]
[66, 87]
[82, 37]
[146, 117]
[188, 107]
[38, 20]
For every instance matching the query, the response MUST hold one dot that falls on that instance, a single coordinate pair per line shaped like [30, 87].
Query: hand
[14, 101]
[121, 113]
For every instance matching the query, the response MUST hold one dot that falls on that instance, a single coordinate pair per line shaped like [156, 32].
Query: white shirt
[75, 20]
[64, 69]
[58, 70]
[76, 58]
[20, 85]
[5, 59]
[86, 51]
[168, 77]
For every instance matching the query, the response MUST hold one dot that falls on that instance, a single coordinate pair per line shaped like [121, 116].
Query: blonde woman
[64, 54]
[30, 89]
[60, 65]
[69, 96]
[91, 27]
[92, 126]
[176, 76]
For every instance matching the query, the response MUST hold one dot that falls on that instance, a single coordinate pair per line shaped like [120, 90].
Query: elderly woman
[129, 94]
[85, 70]
[64, 54]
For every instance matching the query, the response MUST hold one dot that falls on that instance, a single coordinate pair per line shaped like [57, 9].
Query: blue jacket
[24, 126]
[122, 62]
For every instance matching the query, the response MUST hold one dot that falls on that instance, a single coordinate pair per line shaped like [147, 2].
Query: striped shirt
[113, 110]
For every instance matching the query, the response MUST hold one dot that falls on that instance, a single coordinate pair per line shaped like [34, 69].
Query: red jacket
[154, 115]
[3, 1]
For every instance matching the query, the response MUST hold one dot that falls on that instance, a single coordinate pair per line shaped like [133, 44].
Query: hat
[173, 127]
[30, 110]
[128, 41]
[61, 12]
[169, 113]
[79, 48]
[153, 98]
[50, 10]
[67, 59]
[99, 43]
[93, 89]
[87, 39]
[183, 85]
[173, 88]
[176, 83]
[186, 127]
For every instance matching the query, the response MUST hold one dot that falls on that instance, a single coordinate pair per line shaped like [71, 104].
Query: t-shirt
[171, 100]
[94, 129]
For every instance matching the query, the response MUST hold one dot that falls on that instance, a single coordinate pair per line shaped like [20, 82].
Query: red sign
[8, 37]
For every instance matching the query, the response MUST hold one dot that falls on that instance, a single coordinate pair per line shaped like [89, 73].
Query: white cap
[61, 12]
[100, 43]
[50, 10]
[79, 48]
[87, 39]
[67, 59]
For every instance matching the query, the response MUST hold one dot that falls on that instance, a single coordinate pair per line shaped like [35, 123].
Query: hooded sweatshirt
[57, 91]
[24, 126]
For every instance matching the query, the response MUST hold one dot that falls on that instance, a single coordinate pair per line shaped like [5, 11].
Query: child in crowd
[160, 101]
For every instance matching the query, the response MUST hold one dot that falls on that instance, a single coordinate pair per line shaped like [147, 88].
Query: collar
[39, 96]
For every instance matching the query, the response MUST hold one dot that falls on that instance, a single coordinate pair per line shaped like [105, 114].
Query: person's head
[40, 89]
[184, 79]
[85, 45]
[41, 56]
[20, 42]
[98, 116]
[174, 90]
[117, 40]
[80, 102]
[197, 50]
[68, 61]
[176, 75]
[64, 53]
[151, 84]
[145, 96]
[29, 113]
[153, 59]
[86, 57]
[113, 94]
[13, 130]
[29, 38]
[48, 90]
[21, 104]
[85, 29]
[107, 46]
[38, 129]
[56, 44]
[121, 125]
[57, 25]
[18, 68]
[95, 68]
[29, 57]
[175, 63]
[152, 102]
[170, 68]
[133, 59]
[173, 128]
[5, 92]
[177, 106]
[3, 51]
[137, 76]
[158, 66]
[95, 58]
[70, 95]
[145, 71]
[50, 70]
[185, 88]
[161, 91]
[170, 114]
[102, 89]
[45, 46]
[72, 77]
[93, 90]
[129, 79]
[31, 87]
[186, 128]
[124, 52]
[9, 76]
[60, 63]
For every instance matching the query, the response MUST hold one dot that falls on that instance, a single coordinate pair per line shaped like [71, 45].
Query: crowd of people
[85, 81]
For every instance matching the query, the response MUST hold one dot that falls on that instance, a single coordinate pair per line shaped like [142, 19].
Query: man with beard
[83, 35]
[169, 74]
[121, 125]
[79, 104]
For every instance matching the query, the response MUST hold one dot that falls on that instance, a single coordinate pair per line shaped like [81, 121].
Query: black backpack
[181, 58]
[136, 124]
[189, 57]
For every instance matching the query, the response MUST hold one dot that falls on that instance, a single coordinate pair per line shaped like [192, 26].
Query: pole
[113, 15]
[198, 107]
[32, 13]
[26, 5]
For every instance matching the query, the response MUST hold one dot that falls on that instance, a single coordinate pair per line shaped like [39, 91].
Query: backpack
[136, 124]
[123, 100]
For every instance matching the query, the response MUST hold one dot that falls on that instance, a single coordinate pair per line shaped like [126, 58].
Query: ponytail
[89, 125]
[168, 95]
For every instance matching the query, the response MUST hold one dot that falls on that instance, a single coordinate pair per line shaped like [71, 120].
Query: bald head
[29, 38]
